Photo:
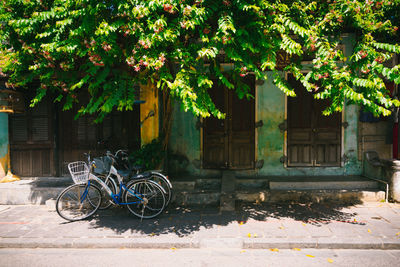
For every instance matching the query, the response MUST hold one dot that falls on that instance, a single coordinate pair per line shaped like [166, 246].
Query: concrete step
[32, 190]
[196, 198]
[228, 186]
[323, 183]
[208, 191]
[311, 196]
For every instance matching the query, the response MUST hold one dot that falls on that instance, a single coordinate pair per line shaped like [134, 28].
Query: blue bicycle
[143, 197]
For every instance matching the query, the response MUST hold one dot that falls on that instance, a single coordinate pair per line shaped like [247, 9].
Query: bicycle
[144, 198]
[122, 160]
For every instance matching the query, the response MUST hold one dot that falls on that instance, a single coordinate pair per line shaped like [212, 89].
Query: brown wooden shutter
[19, 129]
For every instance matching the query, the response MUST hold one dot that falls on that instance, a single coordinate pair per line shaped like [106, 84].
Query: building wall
[185, 141]
[376, 136]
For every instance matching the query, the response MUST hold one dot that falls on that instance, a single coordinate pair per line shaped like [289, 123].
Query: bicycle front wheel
[144, 198]
[78, 202]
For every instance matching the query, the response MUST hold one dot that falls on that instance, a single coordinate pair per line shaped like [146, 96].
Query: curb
[139, 243]
[322, 243]
[165, 243]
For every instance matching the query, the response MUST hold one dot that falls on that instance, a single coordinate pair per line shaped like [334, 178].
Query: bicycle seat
[124, 173]
[144, 175]
[137, 167]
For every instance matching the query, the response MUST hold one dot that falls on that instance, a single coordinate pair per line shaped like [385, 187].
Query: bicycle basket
[79, 171]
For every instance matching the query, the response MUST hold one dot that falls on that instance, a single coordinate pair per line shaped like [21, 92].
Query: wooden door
[229, 143]
[313, 139]
[32, 142]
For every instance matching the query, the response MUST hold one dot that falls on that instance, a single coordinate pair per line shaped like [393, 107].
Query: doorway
[230, 143]
[313, 139]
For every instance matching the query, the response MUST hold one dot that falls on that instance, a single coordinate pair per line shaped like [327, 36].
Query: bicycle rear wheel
[146, 198]
[78, 202]
[164, 183]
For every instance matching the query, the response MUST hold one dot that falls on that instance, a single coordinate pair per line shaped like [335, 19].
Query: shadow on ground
[186, 221]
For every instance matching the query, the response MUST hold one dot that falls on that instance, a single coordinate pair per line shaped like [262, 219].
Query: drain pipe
[395, 132]
[383, 182]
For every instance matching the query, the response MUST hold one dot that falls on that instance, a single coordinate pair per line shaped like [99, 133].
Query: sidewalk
[368, 226]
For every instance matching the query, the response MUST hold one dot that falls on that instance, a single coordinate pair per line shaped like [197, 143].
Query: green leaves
[208, 52]
[108, 48]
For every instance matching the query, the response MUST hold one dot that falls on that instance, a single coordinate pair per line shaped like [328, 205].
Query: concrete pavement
[250, 226]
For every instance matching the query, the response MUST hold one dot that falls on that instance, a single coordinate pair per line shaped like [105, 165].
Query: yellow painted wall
[149, 129]
[4, 147]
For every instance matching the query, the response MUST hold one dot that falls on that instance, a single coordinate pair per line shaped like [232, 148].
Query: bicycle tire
[153, 202]
[71, 208]
[106, 199]
[162, 181]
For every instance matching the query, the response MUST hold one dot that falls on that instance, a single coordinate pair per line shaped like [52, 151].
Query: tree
[108, 47]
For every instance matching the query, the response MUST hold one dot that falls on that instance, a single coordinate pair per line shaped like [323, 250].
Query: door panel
[313, 139]
[215, 137]
[241, 133]
[229, 143]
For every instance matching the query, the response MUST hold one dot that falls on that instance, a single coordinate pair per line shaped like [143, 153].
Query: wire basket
[79, 171]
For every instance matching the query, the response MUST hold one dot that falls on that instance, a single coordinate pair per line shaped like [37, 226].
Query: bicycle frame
[116, 197]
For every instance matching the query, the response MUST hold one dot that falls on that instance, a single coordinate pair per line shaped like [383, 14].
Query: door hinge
[258, 124]
[199, 124]
[259, 164]
[344, 158]
[283, 126]
[283, 159]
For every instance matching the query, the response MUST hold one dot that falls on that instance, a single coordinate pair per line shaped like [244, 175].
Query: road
[197, 257]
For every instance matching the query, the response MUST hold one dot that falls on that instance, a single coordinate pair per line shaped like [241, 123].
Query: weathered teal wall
[270, 108]
[184, 145]
[185, 141]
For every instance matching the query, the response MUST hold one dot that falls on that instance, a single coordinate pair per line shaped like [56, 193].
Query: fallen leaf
[173, 248]
[297, 249]
[330, 260]
[281, 227]
[241, 223]
[274, 249]
[242, 251]
[369, 230]
[398, 234]
[249, 235]
[355, 220]
[152, 234]
[303, 224]
[255, 235]
[311, 256]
